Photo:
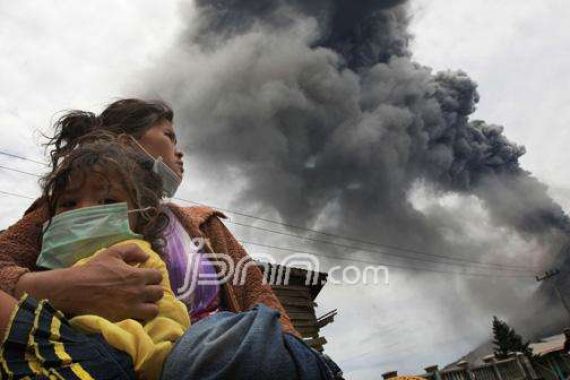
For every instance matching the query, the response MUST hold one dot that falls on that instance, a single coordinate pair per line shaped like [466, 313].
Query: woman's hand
[108, 286]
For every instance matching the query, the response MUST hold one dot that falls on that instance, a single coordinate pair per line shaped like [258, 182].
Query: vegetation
[506, 341]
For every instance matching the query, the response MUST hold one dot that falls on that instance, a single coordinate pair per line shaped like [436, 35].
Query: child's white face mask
[77, 234]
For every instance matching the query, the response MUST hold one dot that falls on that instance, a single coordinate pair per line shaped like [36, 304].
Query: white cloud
[65, 54]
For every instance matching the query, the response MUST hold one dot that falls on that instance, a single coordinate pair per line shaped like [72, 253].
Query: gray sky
[62, 54]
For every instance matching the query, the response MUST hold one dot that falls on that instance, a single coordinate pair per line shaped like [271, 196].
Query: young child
[103, 194]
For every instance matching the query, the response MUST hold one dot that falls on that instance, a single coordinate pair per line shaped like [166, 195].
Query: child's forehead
[98, 179]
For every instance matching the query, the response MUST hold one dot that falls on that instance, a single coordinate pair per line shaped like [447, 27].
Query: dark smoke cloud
[321, 110]
[320, 106]
[316, 110]
[362, 33]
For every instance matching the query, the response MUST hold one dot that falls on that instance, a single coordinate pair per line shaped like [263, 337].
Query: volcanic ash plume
[319, 106]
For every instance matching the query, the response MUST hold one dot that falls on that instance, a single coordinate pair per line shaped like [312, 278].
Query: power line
[417, 252]
[527, 275]
[422, 253]
[424, 259]
[388, 265]
[15, 195]
[21, 157]
[382, 246]
[351, 260]
[19, 171]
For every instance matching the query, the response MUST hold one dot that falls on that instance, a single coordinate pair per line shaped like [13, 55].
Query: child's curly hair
[100, 154]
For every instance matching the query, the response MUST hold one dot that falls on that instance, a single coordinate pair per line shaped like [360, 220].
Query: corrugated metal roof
[548, 345]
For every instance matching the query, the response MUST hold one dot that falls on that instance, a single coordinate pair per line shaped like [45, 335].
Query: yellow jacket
[148, 343]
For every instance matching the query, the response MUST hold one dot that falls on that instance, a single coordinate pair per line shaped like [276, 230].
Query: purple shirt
[191, 274]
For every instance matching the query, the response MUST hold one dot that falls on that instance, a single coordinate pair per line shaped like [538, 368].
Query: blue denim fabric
[248, 346]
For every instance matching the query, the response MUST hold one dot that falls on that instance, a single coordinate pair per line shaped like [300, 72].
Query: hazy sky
[64, 54]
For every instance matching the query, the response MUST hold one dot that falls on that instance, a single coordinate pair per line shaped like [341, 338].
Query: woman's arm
[19, 248]
[110, 288]
[254, 290]
[106, 286]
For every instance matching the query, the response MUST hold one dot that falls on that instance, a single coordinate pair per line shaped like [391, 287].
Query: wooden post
[529, 369]
[490, 359]
[519, 358]
[550, 274]
[465, 366]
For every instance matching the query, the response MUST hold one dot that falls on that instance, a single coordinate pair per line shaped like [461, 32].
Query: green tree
[506, 341]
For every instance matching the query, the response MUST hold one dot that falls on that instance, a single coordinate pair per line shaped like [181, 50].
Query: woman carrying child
[114, 289]
[102, 194]
[247, 315]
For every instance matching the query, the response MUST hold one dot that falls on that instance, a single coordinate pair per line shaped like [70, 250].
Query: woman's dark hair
[103, 154]
[126, 116]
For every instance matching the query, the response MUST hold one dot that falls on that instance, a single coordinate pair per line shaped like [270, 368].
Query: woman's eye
[108, 201]
[171, 136]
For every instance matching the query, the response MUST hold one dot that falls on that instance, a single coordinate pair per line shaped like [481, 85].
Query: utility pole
[548, 275]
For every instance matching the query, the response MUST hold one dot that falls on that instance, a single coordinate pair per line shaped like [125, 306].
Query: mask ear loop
[144, 212]
[141, 147]
[157, 160]
[141, 209]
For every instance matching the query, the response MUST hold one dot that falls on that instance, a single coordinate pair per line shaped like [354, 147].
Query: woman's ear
[126, 140]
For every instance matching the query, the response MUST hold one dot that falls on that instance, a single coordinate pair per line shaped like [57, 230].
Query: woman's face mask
[170, 180]
[77, 234]
[159, 143]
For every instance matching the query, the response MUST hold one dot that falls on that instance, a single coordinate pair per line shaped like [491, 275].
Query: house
[297, 290]
[552, 363]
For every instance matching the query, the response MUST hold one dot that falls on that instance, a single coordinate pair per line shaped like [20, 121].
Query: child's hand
[107, 285]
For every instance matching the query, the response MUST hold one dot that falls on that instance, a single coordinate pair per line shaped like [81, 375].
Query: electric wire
[19, 171]
[473, 263]
[384, 253]
[15, 194]
[387, 265]
[4, 153]
[383, 246]
[425, 259]
[464, 273]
